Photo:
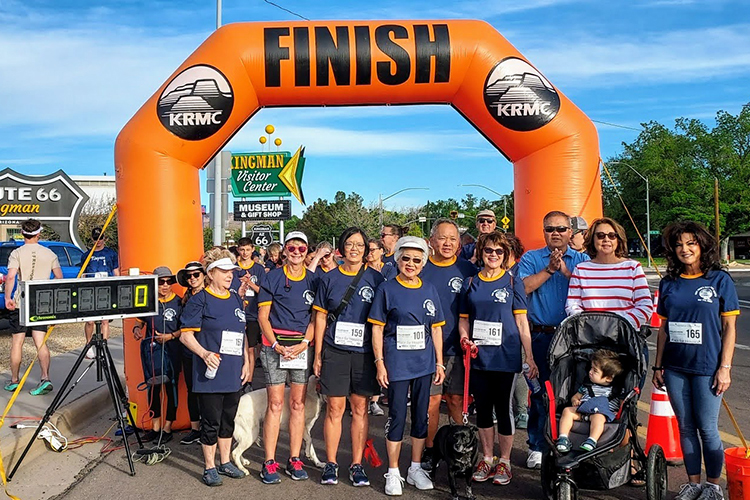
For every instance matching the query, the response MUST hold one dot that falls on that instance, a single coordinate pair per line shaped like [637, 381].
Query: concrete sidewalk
[86, 401]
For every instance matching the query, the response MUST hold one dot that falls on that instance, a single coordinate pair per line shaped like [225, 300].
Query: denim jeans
[697, 406]
[537, 414]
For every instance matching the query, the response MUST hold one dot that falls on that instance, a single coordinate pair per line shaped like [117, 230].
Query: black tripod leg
[59, 397]
[109, 375]
[121, 393]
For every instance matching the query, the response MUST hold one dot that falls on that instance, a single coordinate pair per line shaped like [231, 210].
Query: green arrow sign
[264, 174]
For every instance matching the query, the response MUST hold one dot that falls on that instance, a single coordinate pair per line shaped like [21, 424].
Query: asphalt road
[89, 475]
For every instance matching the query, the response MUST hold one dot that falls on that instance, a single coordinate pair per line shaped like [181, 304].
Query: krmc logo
[519, 97]
[196, 103]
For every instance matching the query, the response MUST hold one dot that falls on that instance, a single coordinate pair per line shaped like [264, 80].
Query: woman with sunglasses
[493, 327]
[375, 259]
[694, 349]
[344, 361]
[213, 328]
[285, 316]
[609, 281]
[407, 340]
[324, 260]
[193, 278]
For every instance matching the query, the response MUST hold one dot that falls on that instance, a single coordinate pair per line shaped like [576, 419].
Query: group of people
[399, 314]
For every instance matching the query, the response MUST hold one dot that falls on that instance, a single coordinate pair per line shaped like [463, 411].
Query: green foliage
[94, 214]
[208, 237]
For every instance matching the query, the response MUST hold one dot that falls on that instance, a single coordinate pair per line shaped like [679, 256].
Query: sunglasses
[490, 251]
[600, 235]
[482, 220]
[194, 275]
[406, 258]
[555, 229]
[292, 249]
[165, 281]
[383, 235]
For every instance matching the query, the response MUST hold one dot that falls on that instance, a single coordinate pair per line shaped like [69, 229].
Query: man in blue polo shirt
[545, 273]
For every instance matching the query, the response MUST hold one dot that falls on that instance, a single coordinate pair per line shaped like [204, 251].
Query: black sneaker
[330, 474]
[149, 436]
[427, 459]
[357, 475]
[163, 438]
[191, 437]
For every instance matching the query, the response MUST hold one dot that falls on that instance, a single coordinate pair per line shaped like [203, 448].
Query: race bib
[685, 333]
[351, 334]
[232, 343]
[249, 292]
[298, 363]
[410, 338]
[487, 333]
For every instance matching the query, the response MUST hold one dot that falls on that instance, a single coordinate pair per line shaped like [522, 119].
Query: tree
[326, 221]
[94, 214]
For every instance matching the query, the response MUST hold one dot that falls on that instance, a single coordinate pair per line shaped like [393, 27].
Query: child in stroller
[594, 401]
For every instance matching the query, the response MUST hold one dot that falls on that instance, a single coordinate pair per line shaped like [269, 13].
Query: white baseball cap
[224, 264]
[412, 242]
[296, 235]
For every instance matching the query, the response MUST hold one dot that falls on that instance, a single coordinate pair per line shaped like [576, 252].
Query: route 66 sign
[262, 235]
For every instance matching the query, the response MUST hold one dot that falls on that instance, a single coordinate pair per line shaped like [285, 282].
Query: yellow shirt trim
[463, 316]
[341, 269]
[317, 308]
[217, 296]
[731, 313]
[442, 323]
[519, 311]
[304, 273]
[444, 264]
[190, 329]
[252, 263]
[375, 322]
[662, 317]
[267, 303]
[408, 285]
[690, 276]
[168, 298]
[483, 278]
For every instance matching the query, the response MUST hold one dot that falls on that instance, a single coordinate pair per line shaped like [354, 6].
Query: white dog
[251, 412]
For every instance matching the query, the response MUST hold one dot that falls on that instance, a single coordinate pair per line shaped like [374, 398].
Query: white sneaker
[91, 353]
[534, 460]
[419, 477]
[394, 484]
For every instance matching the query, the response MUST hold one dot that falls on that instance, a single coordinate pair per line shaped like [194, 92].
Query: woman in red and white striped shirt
[609, 281]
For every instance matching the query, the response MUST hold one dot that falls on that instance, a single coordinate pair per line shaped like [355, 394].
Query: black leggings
[192, 398]
[494, 391]
[217, 415]
[154, 396]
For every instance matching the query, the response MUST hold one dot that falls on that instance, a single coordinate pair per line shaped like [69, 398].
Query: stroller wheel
[656, 474]
[566, 491]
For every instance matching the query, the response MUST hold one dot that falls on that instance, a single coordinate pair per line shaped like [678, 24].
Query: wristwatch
[549, 271]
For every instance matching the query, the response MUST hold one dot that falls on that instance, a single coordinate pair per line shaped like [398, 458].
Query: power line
[614, 124]
[286, 10]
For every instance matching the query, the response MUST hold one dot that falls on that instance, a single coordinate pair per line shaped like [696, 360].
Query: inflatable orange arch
[243, 67]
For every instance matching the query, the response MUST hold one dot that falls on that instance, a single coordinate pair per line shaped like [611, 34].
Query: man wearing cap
[29, 262]
[578, 226]
[486, 223]
[545, 273]
[104, 262]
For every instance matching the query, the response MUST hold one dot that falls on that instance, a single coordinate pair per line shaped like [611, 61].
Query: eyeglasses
[194, 275]
[165, 281]
[555, 229]
[349, 245]
[482, 220]
[406, 258]
[383, 235]
[292, 249]
[374, 249]
[490, 251]
[600, 235]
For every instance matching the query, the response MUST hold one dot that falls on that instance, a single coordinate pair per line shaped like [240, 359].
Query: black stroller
[608, 465]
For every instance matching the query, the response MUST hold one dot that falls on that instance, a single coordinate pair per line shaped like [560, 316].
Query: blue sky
[72, 73]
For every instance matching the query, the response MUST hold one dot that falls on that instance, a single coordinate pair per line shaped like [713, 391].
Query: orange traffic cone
[662, 427]
[655, 319]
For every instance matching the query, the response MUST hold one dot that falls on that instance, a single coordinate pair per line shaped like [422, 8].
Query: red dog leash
[469, 353]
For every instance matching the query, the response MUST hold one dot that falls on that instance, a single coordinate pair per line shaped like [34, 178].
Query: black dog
[458, 446]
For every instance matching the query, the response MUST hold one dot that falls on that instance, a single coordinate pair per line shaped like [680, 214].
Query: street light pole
[503, 196]
[381, 199]
[648, 207]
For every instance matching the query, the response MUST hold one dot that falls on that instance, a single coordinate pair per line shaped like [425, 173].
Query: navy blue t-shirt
[219, 326]
[290, 299]
[344, 334]
[448, 279]
[692, 307]
[488, 304]
[409, 352]
[257, 273]
[168, 318]
[102, 261]
[467, 251]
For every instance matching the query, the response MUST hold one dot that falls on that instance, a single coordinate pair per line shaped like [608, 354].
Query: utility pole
[218, 218]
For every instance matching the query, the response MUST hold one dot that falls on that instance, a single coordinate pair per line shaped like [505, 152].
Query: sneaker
[588, 445]
[563, 444]
[502, 474]
[483, 472]
[163, 438]
[394, 484]
[229, 469]
[376, 410]
[129, 429]
[711, 493]
[358, 476]
[44, 387]
[294, 469]
[11, 386]
[269, 474]
[211, 477]
[330, 474]
[420, 478]
[149, 436]
[689, 491]
[534, 460]
[522, 421]
[91, 354]
[427, 459]
[191, 437]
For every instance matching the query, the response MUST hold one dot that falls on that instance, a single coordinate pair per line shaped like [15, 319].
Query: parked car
[69, 255]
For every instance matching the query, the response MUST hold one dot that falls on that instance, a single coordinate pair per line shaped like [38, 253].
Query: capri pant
[494, 391]
[398, 397]
[218, 410]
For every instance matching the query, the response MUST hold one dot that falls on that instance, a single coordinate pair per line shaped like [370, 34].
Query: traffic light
[454, 214]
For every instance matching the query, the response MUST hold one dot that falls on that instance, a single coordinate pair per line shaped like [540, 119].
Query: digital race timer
[50, 302]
